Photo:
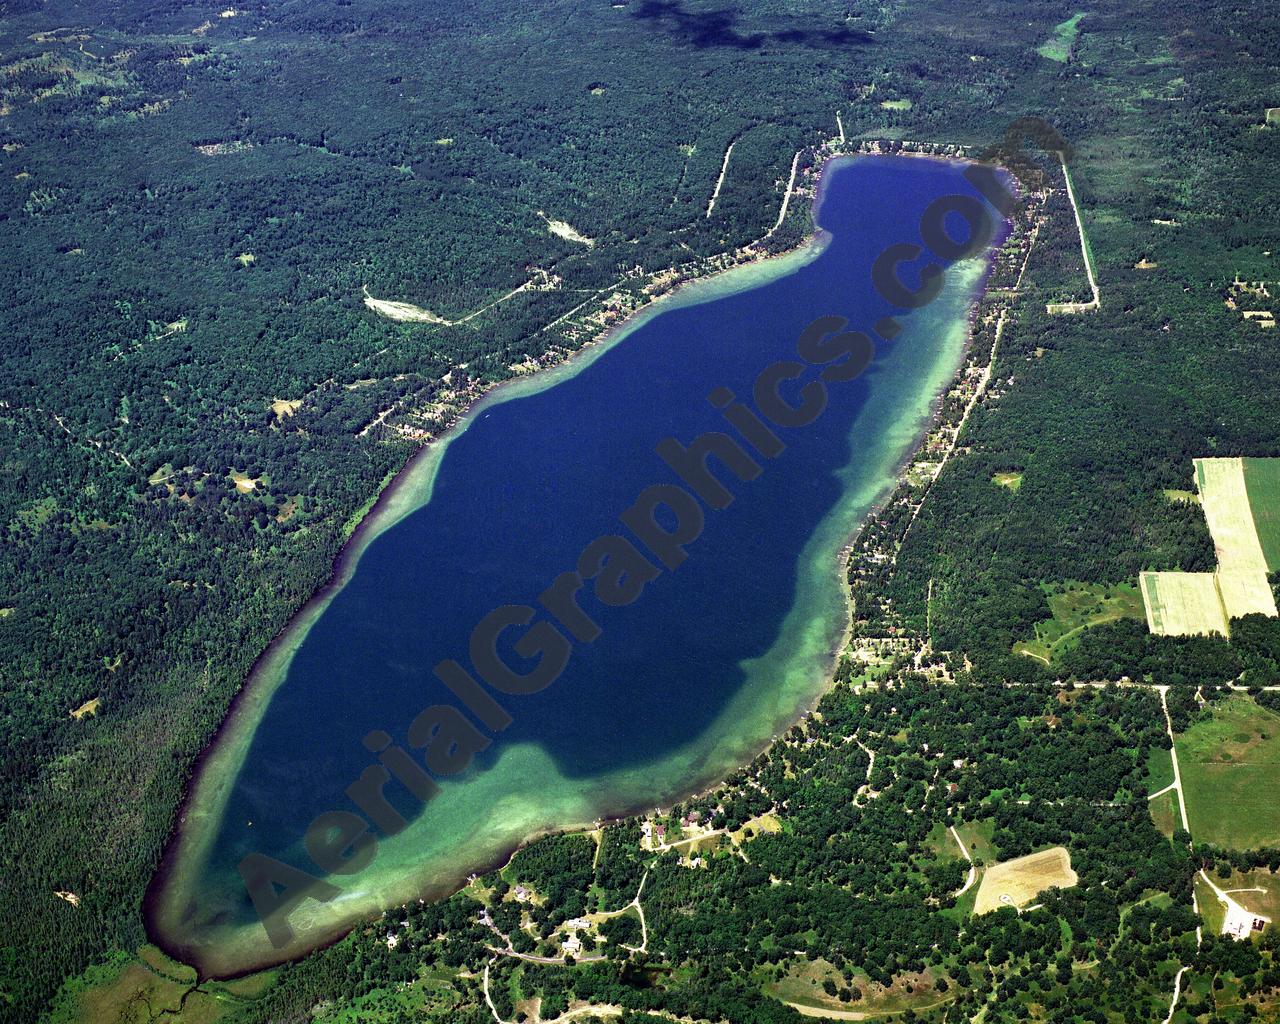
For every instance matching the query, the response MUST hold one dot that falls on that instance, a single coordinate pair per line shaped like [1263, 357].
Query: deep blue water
[532, 480]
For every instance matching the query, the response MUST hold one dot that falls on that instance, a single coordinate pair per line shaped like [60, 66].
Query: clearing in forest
[1230, 766]
[1058, 46]
[283, 407]
[1017, 882]
[404, 311]
[563, 229]
[89, 707]
[1075, 607]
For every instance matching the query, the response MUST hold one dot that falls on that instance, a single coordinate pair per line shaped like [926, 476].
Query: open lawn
[1230, 775]
[1058, 47]
[1262, 486]
[1159, 770]
[1011, 481]
[1075, 607]
[1258, 891]
[1182, 603]
[1018, 882]
[759, 825]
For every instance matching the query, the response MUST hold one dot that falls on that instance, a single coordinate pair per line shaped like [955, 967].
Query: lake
[695, 666]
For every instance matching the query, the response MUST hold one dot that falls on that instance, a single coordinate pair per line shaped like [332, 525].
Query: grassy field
[1182, 603]
[1211, 908]
[1011, 481]
[1230, 774]
[1159, 770]
[1058, 46]
[1181, 497]
[150, 986]
[1164, 812]
[1075, 607]
[1262, 485]
[802, 986]
[1258, 891]
[1019, 881]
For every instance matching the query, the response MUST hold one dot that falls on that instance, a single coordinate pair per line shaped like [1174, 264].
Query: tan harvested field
[1182, 603]
[1226, 509]
[1245, 592]
[1015, 883]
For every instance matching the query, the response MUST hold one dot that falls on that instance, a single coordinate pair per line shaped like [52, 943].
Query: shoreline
[384, 513]
[390, 506]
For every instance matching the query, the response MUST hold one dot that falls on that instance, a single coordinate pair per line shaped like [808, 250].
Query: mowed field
[1262, 485]
[1182, 603]
[1257, 891]
[1017, 882]
[1231, 775]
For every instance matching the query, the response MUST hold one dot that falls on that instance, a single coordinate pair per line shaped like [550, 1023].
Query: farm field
[1262, 486]
[1225, 500]
[1245, 593]
[1017, 882]
[1075, 607]
[1230, 771]
[1182, 603]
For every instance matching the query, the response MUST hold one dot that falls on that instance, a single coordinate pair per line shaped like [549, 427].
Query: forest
[196, 407]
